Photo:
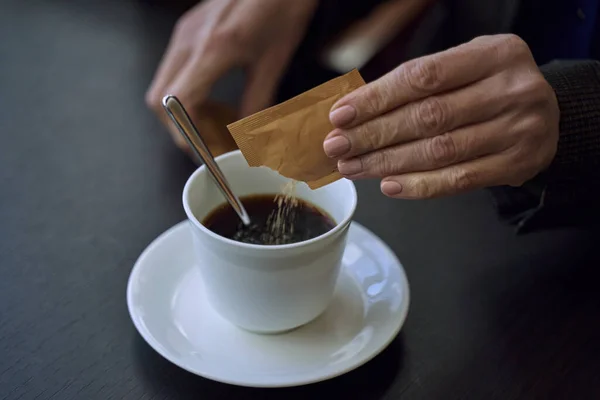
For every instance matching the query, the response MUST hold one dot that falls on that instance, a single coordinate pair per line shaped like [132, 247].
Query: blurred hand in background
[218, 35]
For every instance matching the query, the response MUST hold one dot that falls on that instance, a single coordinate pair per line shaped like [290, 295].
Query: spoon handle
[180, 117]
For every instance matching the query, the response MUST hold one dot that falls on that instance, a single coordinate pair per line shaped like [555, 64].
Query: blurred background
[89, 176]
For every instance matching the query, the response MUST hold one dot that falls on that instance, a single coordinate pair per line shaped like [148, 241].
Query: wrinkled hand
[219, 35]
[474, 116]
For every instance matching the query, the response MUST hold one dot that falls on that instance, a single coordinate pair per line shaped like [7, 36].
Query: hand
[474, 116]
[218, 35]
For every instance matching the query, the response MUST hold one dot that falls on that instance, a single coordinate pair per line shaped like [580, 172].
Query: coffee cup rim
[279, 247]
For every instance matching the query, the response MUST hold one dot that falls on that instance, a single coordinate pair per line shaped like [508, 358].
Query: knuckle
[514, 44]
[374, 100]
[523, 158]
[423, 75]
[541, 91]
[513, 41]
[442, 150]
[421, 188]
[519, 152]
[538, 85]
[482, 40]
[463, 179]
[379, 163]
[431, 115]
[533, 126]
[364, 139]
[509, 46]
[532, 89]
[373, 136]
[385, 132]
[530, 157]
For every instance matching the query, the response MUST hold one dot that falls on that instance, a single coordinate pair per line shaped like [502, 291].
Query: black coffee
[274, 220]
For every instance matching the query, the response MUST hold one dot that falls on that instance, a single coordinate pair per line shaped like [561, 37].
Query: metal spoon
[180, 117]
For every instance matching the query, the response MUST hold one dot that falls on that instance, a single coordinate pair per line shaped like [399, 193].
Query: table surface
[88, 178]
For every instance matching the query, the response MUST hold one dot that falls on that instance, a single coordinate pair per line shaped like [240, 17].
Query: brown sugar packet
[212, 119]
[288, 137]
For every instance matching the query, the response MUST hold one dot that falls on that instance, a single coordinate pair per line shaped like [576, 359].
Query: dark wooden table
[88, 178]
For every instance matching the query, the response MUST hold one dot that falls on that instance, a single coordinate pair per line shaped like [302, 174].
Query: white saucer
[167, 304]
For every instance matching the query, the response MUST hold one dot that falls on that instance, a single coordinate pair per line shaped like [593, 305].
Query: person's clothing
[564, 36]
[568, 193]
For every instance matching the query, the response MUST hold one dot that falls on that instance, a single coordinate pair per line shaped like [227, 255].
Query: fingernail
[350, 167]
[334, 133]
[391, 188]
[342, 116]
[336, 146]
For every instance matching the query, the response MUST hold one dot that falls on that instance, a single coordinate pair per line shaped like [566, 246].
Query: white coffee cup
[267, 289]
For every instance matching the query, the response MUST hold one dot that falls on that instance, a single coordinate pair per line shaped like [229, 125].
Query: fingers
[195, 80]
[445, 124]
[482, 172]
[263, 79]
[192, 87]
[175, 58]
[173, 61]
[183, 62]
[420, 78]
[429, 154]
[423, 119]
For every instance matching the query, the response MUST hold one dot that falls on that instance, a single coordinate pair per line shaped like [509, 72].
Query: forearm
[568, 192]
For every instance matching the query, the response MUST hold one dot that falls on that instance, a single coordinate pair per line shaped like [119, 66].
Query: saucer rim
[158, 348]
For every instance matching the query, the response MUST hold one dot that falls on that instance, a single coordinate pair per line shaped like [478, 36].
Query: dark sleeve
[567, 194]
